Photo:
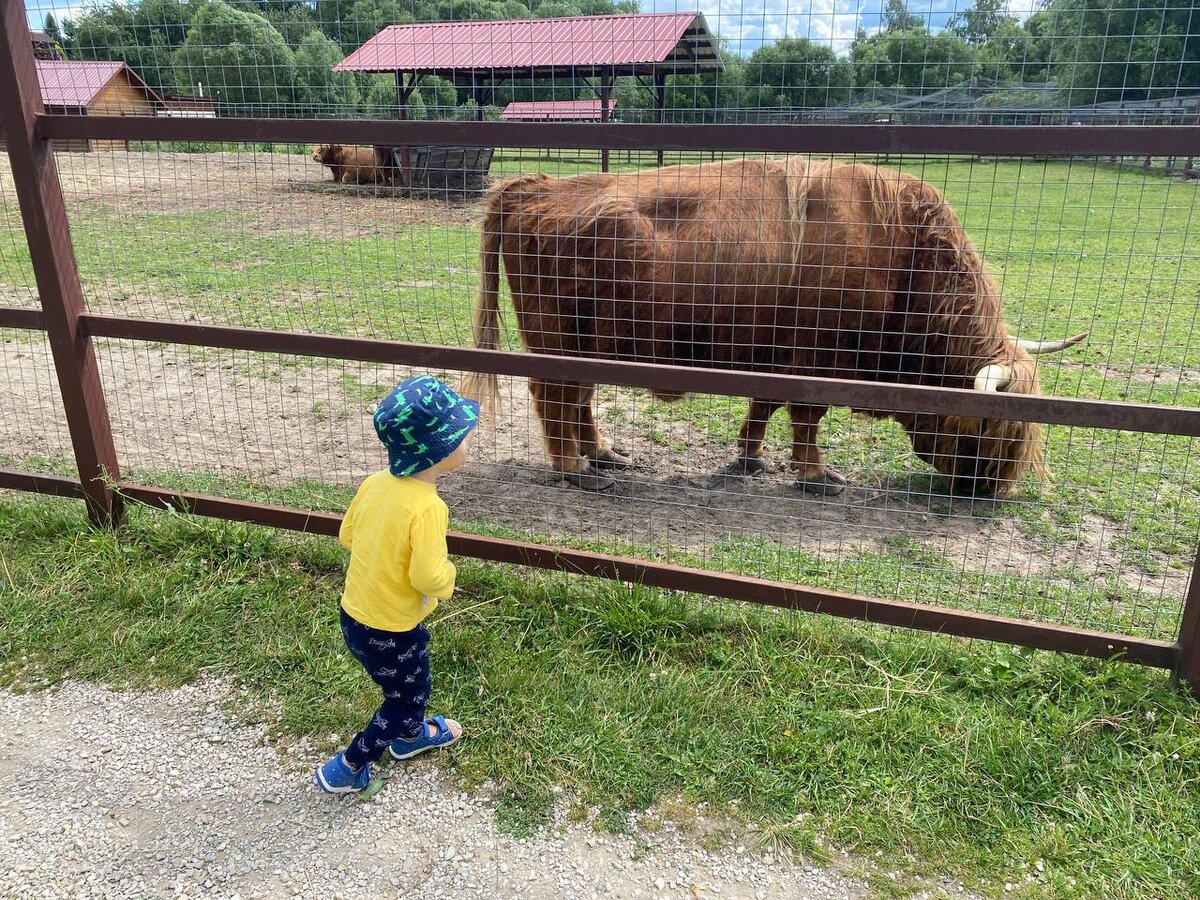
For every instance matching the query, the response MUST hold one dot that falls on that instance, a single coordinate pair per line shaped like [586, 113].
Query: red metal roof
[556, 110]
[578, 41]
[77, 83]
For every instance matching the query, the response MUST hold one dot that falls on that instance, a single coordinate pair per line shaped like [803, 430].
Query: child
[395, 530]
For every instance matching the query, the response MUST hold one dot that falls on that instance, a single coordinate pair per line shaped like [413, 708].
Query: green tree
[915, 61]
[1124, 49]
[1001, 56]
[549, 9]
[896, 17]
[320, 90]
[796, 72]
[143, 35]
[293, 22]
[977, 23]
[239, 56]
[1035, 64]
[366, 18]
[50, 26]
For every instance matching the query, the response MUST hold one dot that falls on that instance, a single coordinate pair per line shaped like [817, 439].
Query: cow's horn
[993, 377]
[1036, 347]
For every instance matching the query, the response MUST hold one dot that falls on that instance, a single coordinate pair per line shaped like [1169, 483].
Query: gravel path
[159, 794]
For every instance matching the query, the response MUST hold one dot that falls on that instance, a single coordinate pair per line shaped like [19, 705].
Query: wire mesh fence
[907, 268]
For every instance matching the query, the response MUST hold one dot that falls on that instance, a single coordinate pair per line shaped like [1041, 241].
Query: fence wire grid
[837, 266]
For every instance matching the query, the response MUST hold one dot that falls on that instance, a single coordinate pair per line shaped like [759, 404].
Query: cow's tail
[484, 386]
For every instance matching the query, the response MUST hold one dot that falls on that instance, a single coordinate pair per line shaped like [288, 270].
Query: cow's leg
[592, 443]
[807, 461]
[557, 405]
[752, 458]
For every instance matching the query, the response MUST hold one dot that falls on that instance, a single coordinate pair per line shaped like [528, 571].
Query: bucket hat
[421, 422]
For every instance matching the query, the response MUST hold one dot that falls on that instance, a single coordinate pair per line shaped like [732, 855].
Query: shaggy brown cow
[352, 165]
[818, 268]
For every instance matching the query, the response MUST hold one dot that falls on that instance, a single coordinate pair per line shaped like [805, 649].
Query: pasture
[996, 765]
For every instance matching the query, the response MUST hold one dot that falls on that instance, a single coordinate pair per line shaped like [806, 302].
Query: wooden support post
[660, 103]
[606, 83]
[54, 267]
[403, 92]
[1188, 669]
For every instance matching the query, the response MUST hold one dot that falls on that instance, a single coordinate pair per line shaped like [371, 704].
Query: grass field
[944, 756]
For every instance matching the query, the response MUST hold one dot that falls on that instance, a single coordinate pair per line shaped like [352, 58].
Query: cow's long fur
[824, 268]
[352, 165]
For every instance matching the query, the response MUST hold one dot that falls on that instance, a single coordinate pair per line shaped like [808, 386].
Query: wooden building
[84, 88]
[188, 106]
[45, 47]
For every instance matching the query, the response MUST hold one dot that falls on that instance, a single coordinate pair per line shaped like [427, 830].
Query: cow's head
[987, 457]
[324, 153]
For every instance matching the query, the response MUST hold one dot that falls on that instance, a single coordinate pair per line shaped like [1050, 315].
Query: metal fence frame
[28, 133]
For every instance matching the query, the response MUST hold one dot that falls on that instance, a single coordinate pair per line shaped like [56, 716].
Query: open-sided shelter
[480, 55]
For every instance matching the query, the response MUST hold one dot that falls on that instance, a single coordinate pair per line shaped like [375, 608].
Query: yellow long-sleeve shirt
[395, 530]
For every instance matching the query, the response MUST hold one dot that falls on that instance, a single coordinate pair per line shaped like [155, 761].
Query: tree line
[279, 54]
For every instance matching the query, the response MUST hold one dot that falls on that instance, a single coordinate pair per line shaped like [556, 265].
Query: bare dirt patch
[281, 193]
[277, 422]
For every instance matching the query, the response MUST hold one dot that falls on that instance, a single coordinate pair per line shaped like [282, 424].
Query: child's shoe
[336, 777]
[445, 732]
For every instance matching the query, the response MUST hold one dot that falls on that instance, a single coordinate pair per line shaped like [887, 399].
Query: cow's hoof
[611, 458]
[830, 484]
[589, 480]
[752, 465]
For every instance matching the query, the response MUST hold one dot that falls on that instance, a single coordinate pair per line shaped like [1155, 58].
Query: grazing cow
[789, 266]
[353, 165]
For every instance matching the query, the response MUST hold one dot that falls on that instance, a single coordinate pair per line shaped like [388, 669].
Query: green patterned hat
[421, 422]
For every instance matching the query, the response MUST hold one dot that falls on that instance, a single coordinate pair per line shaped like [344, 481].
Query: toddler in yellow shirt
[395, 530]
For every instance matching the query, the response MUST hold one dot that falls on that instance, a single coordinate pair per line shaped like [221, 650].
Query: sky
[35, 11]
[748, 24]
[745, 24]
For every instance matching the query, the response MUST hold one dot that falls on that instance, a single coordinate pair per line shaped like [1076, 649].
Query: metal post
[55, 270]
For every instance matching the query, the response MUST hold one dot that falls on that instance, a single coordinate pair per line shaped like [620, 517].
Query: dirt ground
[282, 421]
[286, 193]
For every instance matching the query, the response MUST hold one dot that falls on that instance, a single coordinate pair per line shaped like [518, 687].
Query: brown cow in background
[790, 266]
[354, 165]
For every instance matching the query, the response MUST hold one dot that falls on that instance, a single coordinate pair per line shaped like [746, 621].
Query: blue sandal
[442, 737]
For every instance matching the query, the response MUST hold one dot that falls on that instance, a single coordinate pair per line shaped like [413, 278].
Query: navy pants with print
[397, 661]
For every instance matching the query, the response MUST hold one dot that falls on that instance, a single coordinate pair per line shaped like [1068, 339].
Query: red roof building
[478, 55]
[556, 111]
[96, 87]
[632, 44]
[79, 88]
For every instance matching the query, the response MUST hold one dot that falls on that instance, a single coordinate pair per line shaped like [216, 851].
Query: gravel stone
[229, 816]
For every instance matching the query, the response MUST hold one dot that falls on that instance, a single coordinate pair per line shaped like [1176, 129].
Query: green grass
[975, 760]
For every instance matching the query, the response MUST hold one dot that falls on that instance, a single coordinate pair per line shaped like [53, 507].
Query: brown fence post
[55, 270]
[1188, 669]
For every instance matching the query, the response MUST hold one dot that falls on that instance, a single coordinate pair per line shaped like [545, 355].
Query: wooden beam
[55, 269]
